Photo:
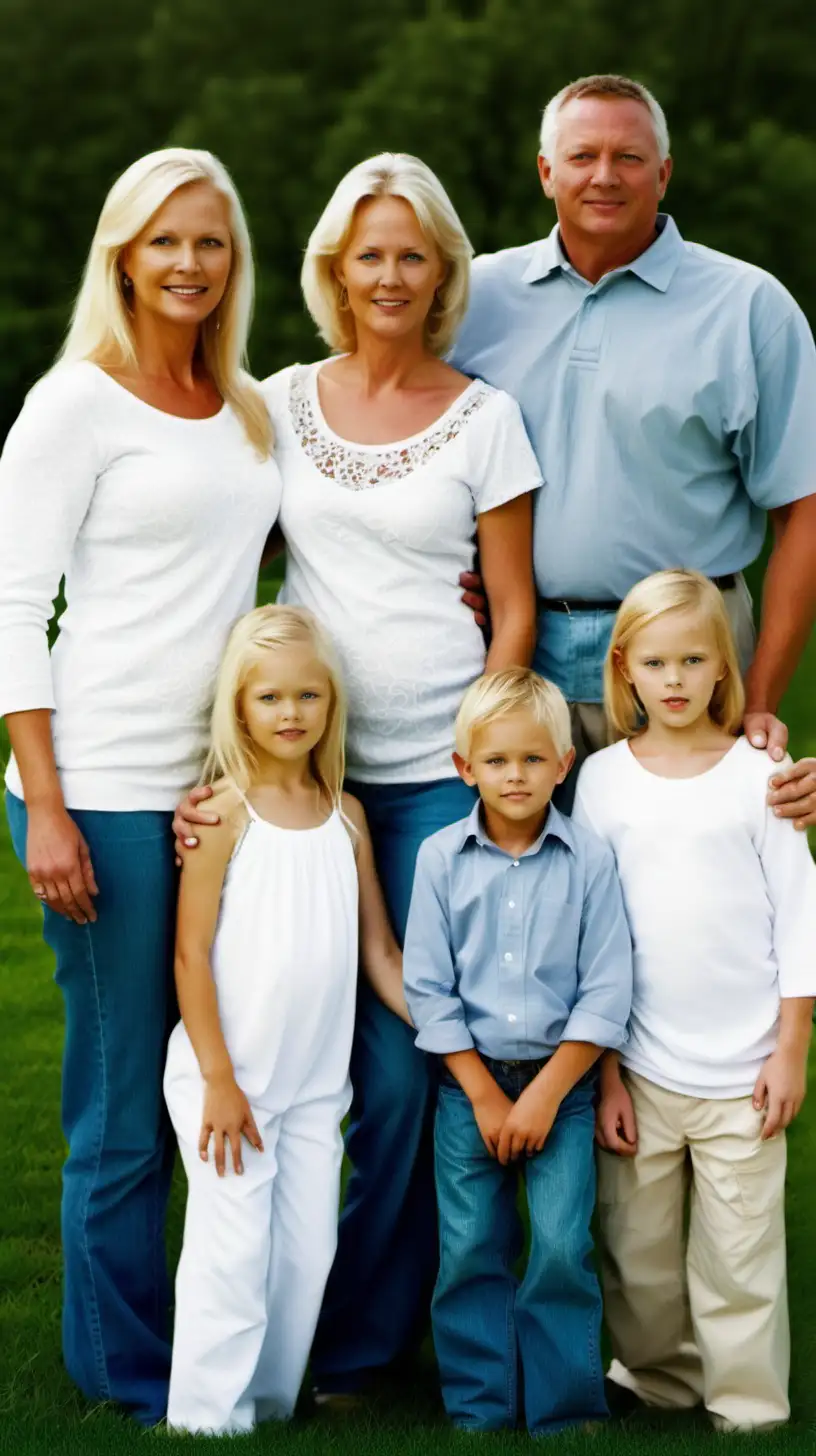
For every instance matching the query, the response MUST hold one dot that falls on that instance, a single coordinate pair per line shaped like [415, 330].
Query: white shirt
[721, 901]
[377, 536]
[158, 524]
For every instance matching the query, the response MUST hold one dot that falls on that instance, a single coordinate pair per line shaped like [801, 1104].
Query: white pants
[257, 1253]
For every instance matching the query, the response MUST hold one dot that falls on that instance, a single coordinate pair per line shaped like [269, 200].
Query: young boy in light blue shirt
[518, 974]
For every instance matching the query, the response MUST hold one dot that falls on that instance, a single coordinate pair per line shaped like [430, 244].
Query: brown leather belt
[575, 604]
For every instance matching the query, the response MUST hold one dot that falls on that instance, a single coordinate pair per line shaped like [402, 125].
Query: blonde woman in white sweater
[140, 469]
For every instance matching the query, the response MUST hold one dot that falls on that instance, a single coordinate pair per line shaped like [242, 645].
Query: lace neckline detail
[361, 467]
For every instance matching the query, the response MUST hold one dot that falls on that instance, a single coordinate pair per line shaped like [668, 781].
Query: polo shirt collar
[556, 827]
[657, 266]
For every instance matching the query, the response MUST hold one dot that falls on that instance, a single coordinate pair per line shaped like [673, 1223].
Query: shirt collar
[556, 827]
[657, 266]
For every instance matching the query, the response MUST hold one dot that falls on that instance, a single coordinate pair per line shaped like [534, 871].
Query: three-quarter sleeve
[503, 464]
[776, 447]
[48, 473]
[428, 961]
[601, 1011]
[790, 877]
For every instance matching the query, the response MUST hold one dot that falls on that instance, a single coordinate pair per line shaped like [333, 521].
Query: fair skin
[607, 179]
[674, 664]
[284, 705]
[391, 387]
[178, 268]
[515, 765]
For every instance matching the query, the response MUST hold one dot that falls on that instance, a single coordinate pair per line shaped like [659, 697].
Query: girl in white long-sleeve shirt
[721, 899]
[140, 469]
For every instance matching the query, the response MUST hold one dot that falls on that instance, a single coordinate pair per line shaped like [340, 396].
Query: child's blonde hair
[496, 694]
[232, 752]
[678, 589]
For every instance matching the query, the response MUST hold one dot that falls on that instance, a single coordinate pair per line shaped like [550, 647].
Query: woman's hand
[227, 1115]
[59, 864]
[188, 815]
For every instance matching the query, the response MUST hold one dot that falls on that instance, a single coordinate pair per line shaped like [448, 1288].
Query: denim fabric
[570, 652]
[508, 1350]
[379, 1290]
[116, 981]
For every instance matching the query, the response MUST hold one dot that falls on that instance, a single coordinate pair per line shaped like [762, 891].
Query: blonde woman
[140, 469]
[266, 971]
[721, 900]
[395, 468]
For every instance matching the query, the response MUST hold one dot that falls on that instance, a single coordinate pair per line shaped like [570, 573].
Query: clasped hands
[510, 1129]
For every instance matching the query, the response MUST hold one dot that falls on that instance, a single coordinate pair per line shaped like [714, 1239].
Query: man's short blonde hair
[496, 694]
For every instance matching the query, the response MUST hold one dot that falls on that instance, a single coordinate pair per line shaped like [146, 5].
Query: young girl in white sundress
[721, 900]
[257, 1071]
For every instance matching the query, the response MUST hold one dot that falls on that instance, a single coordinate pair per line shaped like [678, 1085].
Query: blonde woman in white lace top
[395, 468]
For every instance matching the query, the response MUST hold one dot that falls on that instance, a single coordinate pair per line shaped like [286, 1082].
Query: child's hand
[527, 1125]
[490, 1110]
[780, 1089]
[615, 1123]
[227, 1115]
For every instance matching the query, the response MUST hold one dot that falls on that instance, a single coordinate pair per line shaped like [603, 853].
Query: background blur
[290, 95]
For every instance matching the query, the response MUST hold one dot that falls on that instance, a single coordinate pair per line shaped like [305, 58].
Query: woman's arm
[380, 955]
[57, 857]
[505, 537]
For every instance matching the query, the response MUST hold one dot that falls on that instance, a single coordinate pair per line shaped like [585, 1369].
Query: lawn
[39, 1411]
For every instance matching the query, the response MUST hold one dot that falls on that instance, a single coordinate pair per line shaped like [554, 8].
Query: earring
[127, 281]
[343, 302]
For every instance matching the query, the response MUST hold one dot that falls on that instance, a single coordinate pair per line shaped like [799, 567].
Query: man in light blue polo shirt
[670, 395]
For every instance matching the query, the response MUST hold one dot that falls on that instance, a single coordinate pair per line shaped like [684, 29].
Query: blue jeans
[116, 981]
[488, 1329]
[379, 1290]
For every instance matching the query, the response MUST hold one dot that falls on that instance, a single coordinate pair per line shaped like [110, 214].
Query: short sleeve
[48, 474]
[776, 448]
[790, 879]
[502, 463]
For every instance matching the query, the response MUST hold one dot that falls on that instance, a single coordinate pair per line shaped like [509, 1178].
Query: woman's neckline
[154, 409]
[386, 445]
[684, 778]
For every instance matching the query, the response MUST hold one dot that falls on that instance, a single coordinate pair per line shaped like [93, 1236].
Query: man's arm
[788, 614]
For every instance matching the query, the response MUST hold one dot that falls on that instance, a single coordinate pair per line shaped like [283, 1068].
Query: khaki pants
[590, 730]
[701, 1314]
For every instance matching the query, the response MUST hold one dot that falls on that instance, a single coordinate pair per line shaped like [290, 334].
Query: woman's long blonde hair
[232, 751]
[675, 590]
[101, 328]
[391, 174]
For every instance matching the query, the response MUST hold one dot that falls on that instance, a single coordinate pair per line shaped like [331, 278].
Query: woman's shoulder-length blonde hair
[391, 174]
[101, 329]
[677, 589]
[231, 751]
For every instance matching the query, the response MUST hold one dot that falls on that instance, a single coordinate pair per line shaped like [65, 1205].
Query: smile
[390, 302]
[184, 291]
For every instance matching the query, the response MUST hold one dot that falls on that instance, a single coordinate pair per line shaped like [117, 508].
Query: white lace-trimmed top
[377, 536]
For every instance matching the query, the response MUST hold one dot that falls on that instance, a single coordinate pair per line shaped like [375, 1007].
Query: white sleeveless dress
[258, 1248]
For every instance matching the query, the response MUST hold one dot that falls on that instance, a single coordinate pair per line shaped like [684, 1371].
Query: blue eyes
[273, 697]
[531, 758]
[658, 661]
[163, 240]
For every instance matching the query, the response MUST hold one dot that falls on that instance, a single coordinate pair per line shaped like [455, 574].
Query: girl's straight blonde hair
[391, 174]
[232, 751]
[675, 590]
[101, 328]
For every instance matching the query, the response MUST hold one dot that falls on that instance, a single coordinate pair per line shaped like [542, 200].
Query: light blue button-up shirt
[514, 956]
[670, 405]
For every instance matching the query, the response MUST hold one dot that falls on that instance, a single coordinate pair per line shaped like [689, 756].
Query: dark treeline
[291, 94]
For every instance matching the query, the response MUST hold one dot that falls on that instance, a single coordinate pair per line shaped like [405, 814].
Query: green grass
[39, 1410]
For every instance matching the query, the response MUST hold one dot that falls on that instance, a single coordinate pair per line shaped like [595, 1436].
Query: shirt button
[511, 1017]
[512, 904]
[508, 955]
[515, 864]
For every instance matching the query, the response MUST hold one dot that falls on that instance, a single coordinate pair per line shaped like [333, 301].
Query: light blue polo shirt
[670, 405]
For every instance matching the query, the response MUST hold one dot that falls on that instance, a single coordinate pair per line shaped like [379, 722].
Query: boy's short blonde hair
[496, 694]
[678, 589]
